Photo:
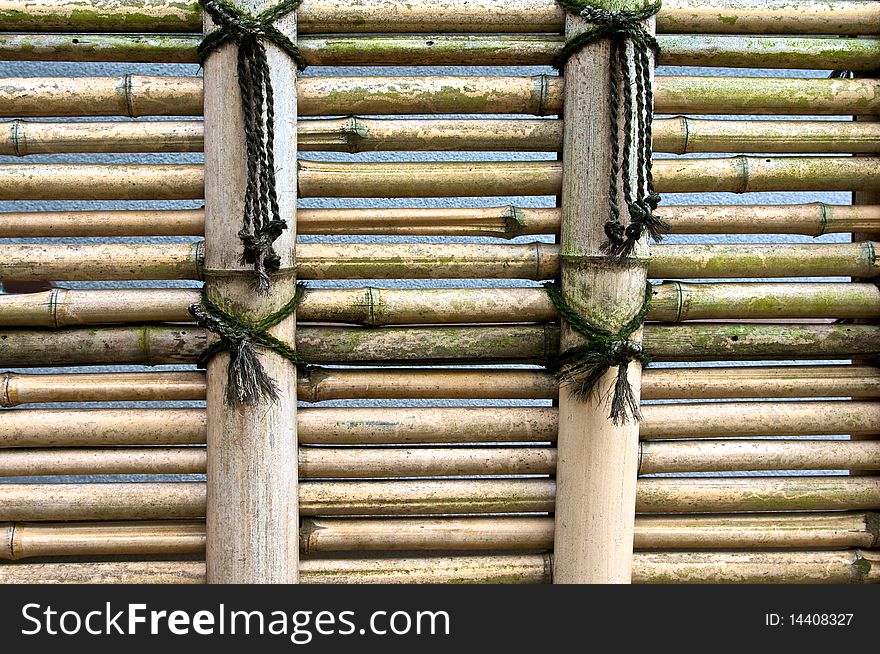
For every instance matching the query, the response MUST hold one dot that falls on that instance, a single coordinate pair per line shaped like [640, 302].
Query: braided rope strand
[248, 382]
[632, 88]
[582, 366]
[261, 222]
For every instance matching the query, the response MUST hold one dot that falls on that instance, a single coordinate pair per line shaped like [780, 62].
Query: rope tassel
[582, 366]
[248, 383]
[625, 31]
[261, 222]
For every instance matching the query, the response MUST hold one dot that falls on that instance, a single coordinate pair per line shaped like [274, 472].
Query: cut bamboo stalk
[27, 462]
[337, 16]
[435, 425]
[135, 95]
[155, 572]
[749, 455]
[140, 48]
[680, 135]
[173, 500]
[394, 462]
[40, 224]
[436, 179]
[84, 427]
[373, 306]
[499, 222]
[848, 566]
[321, 535]
[28, 540]
[129, 95]
[23, 138]
[106, 501]
[455, 50]
[448, 179]
[538, 261]
[437, 345]
[176, 386]
[321, 384]
[666, 495]
[101, 182]
[815, 567]
[252, 481]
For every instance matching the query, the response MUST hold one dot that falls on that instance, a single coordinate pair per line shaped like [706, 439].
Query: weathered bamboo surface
[847, 566]
[320, 535]
[739, 174]
[392, 462]
[156, 344]
[438, 425]
[374, 306]
[321, 384]
[173, 500]
[22, 138]
[337, 16]
[499, 222]
[851, 529]
[680, 135]
[18, 388]
[455, 50]
[537, 261]
[40, 224]
[138, 95]
[27, 540]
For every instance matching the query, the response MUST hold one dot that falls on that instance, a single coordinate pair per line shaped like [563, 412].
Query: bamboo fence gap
[454, 456]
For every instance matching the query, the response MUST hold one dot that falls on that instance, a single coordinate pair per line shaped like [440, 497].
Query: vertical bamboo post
[863, 198]
[597, 461]
[252, 514]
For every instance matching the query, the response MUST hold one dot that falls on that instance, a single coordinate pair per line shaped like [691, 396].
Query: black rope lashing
[248, 381]
[261, 222]
[582, 366]
[625, 30]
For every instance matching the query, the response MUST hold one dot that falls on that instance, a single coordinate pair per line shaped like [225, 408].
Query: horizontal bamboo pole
[337, 16]
[848, 566]
[26, 462]
[785, 530]
[500, 222]
[22, 138]
[455, 50]
[452, 179]
[748, 455]
[321, 535]
[436, 345]
[85, 427]
[173, 500]
[178, 386]
[538, 261]
[373, 306]
[437, 179]
[438, 425]
[143, 538]
[321, 384]
[680, 135]
[137, 95]
[393, 462]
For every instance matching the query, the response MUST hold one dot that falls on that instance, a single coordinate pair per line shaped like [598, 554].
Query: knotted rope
[582, 366]
[248, 381]
[261, 222]
[623, 28]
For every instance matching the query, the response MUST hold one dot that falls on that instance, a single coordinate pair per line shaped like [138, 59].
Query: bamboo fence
[757, 473]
